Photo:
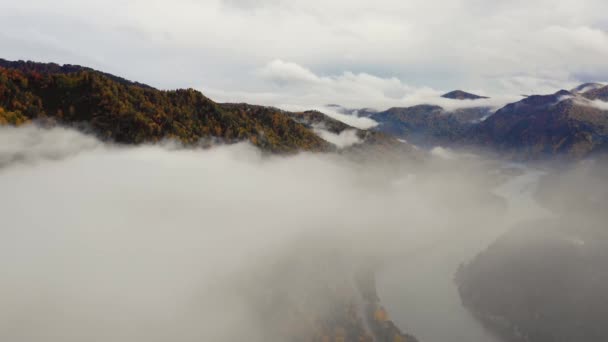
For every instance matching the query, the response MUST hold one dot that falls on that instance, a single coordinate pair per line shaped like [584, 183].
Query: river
[418, 290]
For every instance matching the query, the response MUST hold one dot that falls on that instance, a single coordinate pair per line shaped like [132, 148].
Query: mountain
[544, 280]
[538, 126]
[121, 111]
[597, 93]
[585, 87]
[462, 95]
[419, 124]
[569, 124]
[127, 112]
[313, 118]
[53, 68]
[429, 124]
[131, 113]
[574, 124]
[361, 112]
[369, 139]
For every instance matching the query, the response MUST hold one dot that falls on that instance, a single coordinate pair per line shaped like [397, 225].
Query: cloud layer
[381, 50]
[156, 244]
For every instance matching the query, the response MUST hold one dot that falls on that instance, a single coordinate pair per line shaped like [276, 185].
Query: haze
[156, 243]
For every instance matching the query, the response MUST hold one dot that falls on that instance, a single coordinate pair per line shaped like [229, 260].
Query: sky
[313, 52]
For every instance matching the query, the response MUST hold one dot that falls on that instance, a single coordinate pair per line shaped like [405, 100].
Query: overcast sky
[311, 52]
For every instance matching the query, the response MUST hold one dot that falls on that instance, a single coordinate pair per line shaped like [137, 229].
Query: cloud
[343, 139]
[354, 120]
[599, 104]
[295, 87]
[294, 78]
[250, 4]
[589, 87]
[510, 49]
[150, 243]
[351, 120]
[153, 243]
[33, 144]
[444, 153]
[285, 73]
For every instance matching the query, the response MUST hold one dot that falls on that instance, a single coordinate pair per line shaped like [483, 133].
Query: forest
[126, 112]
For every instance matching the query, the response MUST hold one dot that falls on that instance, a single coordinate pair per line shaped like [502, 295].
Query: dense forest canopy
[126, 112]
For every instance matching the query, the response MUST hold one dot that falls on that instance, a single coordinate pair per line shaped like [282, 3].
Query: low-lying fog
[159, 243]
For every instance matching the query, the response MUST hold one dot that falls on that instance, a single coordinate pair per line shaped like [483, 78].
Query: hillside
[320, 300]
[539, 126]
[585, 87]
[597, 93]
[429, 124]
[565, 124]
[545, 280]
[131, 113]
[542, 282]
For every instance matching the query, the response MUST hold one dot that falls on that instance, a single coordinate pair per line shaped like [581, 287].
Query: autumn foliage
[126, 112]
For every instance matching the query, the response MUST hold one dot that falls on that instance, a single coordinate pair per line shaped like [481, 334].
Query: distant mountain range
[568, 123]
[572, 124]
[564, 123]
[429, 124]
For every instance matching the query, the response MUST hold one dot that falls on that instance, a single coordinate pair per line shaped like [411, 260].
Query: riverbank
[418, 286]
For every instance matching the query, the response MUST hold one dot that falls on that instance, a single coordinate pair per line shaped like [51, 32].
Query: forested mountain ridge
[563, 123]
[429, 124]
[127, 112]
[599, 92]
[54, 68]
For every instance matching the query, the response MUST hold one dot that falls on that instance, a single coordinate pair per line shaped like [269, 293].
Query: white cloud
[151, 244]
[294, 87]
[378, 52]
[603, 105]
[285, 73]
[32, 144]
[154, 244]
[250, 4]
[599, 104]
[589, 87]
[341, 140]
[351, 120]
[444, 153]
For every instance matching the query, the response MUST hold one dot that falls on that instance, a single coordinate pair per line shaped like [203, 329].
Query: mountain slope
[367, 139]
[429, 124]
[597, 93]
[126, 112]
[542, 125]
[560, 292]
[585, 87]
[571, 124]
[53, 68]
